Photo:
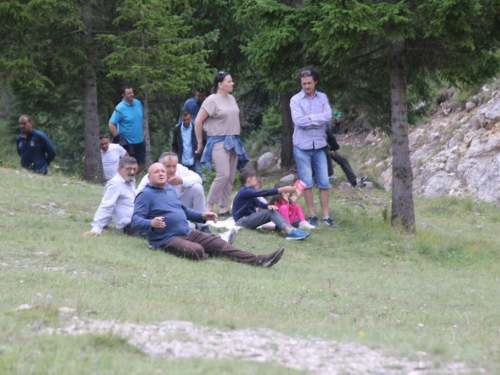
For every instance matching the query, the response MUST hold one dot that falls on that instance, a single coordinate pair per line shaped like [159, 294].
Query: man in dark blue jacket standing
[34, 147]
[184, 143]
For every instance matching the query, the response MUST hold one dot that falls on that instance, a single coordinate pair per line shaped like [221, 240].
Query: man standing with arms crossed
[310, 114]
[126, 121]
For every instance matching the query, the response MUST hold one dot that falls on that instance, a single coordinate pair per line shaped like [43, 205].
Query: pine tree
[382, 48]
[50, 55]
[151, 48]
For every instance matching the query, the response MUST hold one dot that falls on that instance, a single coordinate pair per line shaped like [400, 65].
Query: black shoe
[360, 181]
[273, 258]
[225, 214]
[313, 220]
[329, 223]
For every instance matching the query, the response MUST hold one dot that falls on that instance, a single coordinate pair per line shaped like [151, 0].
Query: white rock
[288, 179]
[265, 160]
[367, 185]
[23, 307]
[369, 138]
[66, 310]
[469, 106]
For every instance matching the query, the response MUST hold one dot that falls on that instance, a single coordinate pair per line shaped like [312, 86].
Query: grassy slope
[436, 291]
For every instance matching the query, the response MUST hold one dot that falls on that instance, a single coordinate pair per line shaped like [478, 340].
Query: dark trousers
[344, 164]
[261, 217]
[198, 246]
[129, 230]
[196, 167]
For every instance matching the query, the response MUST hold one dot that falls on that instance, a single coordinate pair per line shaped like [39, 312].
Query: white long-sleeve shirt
[189, 178]
[117, 204]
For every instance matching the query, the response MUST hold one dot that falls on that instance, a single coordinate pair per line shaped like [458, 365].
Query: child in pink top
[288, 208]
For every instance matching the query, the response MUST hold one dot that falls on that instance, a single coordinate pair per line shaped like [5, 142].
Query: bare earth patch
[177, 339]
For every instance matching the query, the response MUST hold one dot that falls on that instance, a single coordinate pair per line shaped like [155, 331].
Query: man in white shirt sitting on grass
[117, 204]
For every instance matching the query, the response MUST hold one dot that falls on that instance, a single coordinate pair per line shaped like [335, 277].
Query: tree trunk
[402, 177]
[93, 162]
[287, 159]
[145, 106]
[147, 139]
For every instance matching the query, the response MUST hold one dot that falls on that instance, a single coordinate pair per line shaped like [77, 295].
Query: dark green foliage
[151, 46]
[167, 48]
[43, 58]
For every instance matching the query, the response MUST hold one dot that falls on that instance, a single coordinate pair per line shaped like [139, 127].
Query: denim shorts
[309, 161]
[137, 151]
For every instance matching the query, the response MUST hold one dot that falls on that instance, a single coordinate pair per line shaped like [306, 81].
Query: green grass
[359, 156]
[435, 291]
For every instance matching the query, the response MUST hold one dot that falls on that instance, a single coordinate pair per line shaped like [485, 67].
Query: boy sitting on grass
[246, 199]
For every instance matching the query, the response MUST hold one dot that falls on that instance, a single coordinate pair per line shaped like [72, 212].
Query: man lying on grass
[159, 212]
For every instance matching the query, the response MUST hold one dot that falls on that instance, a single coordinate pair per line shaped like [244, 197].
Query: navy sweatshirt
[153, 202]
[245, 201]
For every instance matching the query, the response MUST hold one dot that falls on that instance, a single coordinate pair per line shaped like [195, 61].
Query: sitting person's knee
[198, 189]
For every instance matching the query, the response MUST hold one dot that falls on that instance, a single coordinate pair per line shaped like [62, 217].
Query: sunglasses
[305, 73]
[103, 137]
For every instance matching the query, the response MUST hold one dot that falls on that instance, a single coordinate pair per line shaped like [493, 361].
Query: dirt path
[177, 339]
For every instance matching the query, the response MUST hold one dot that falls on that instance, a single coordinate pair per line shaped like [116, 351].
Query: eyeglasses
[130, 169]
[103, 136]
[305, 73]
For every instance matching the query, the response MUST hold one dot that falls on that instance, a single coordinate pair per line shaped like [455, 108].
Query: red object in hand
[299, 186]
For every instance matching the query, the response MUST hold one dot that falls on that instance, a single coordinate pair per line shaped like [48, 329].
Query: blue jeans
[309, 161]
[196, 167]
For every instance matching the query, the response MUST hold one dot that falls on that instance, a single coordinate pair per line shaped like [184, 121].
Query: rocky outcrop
[457, 154]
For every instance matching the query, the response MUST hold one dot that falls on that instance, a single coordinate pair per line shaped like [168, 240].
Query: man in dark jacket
[184, 143]
[34, 147]
[340, 160]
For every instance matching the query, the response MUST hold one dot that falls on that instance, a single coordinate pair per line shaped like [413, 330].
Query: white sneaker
[305, 225]
[230, 235]
[269, 226]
